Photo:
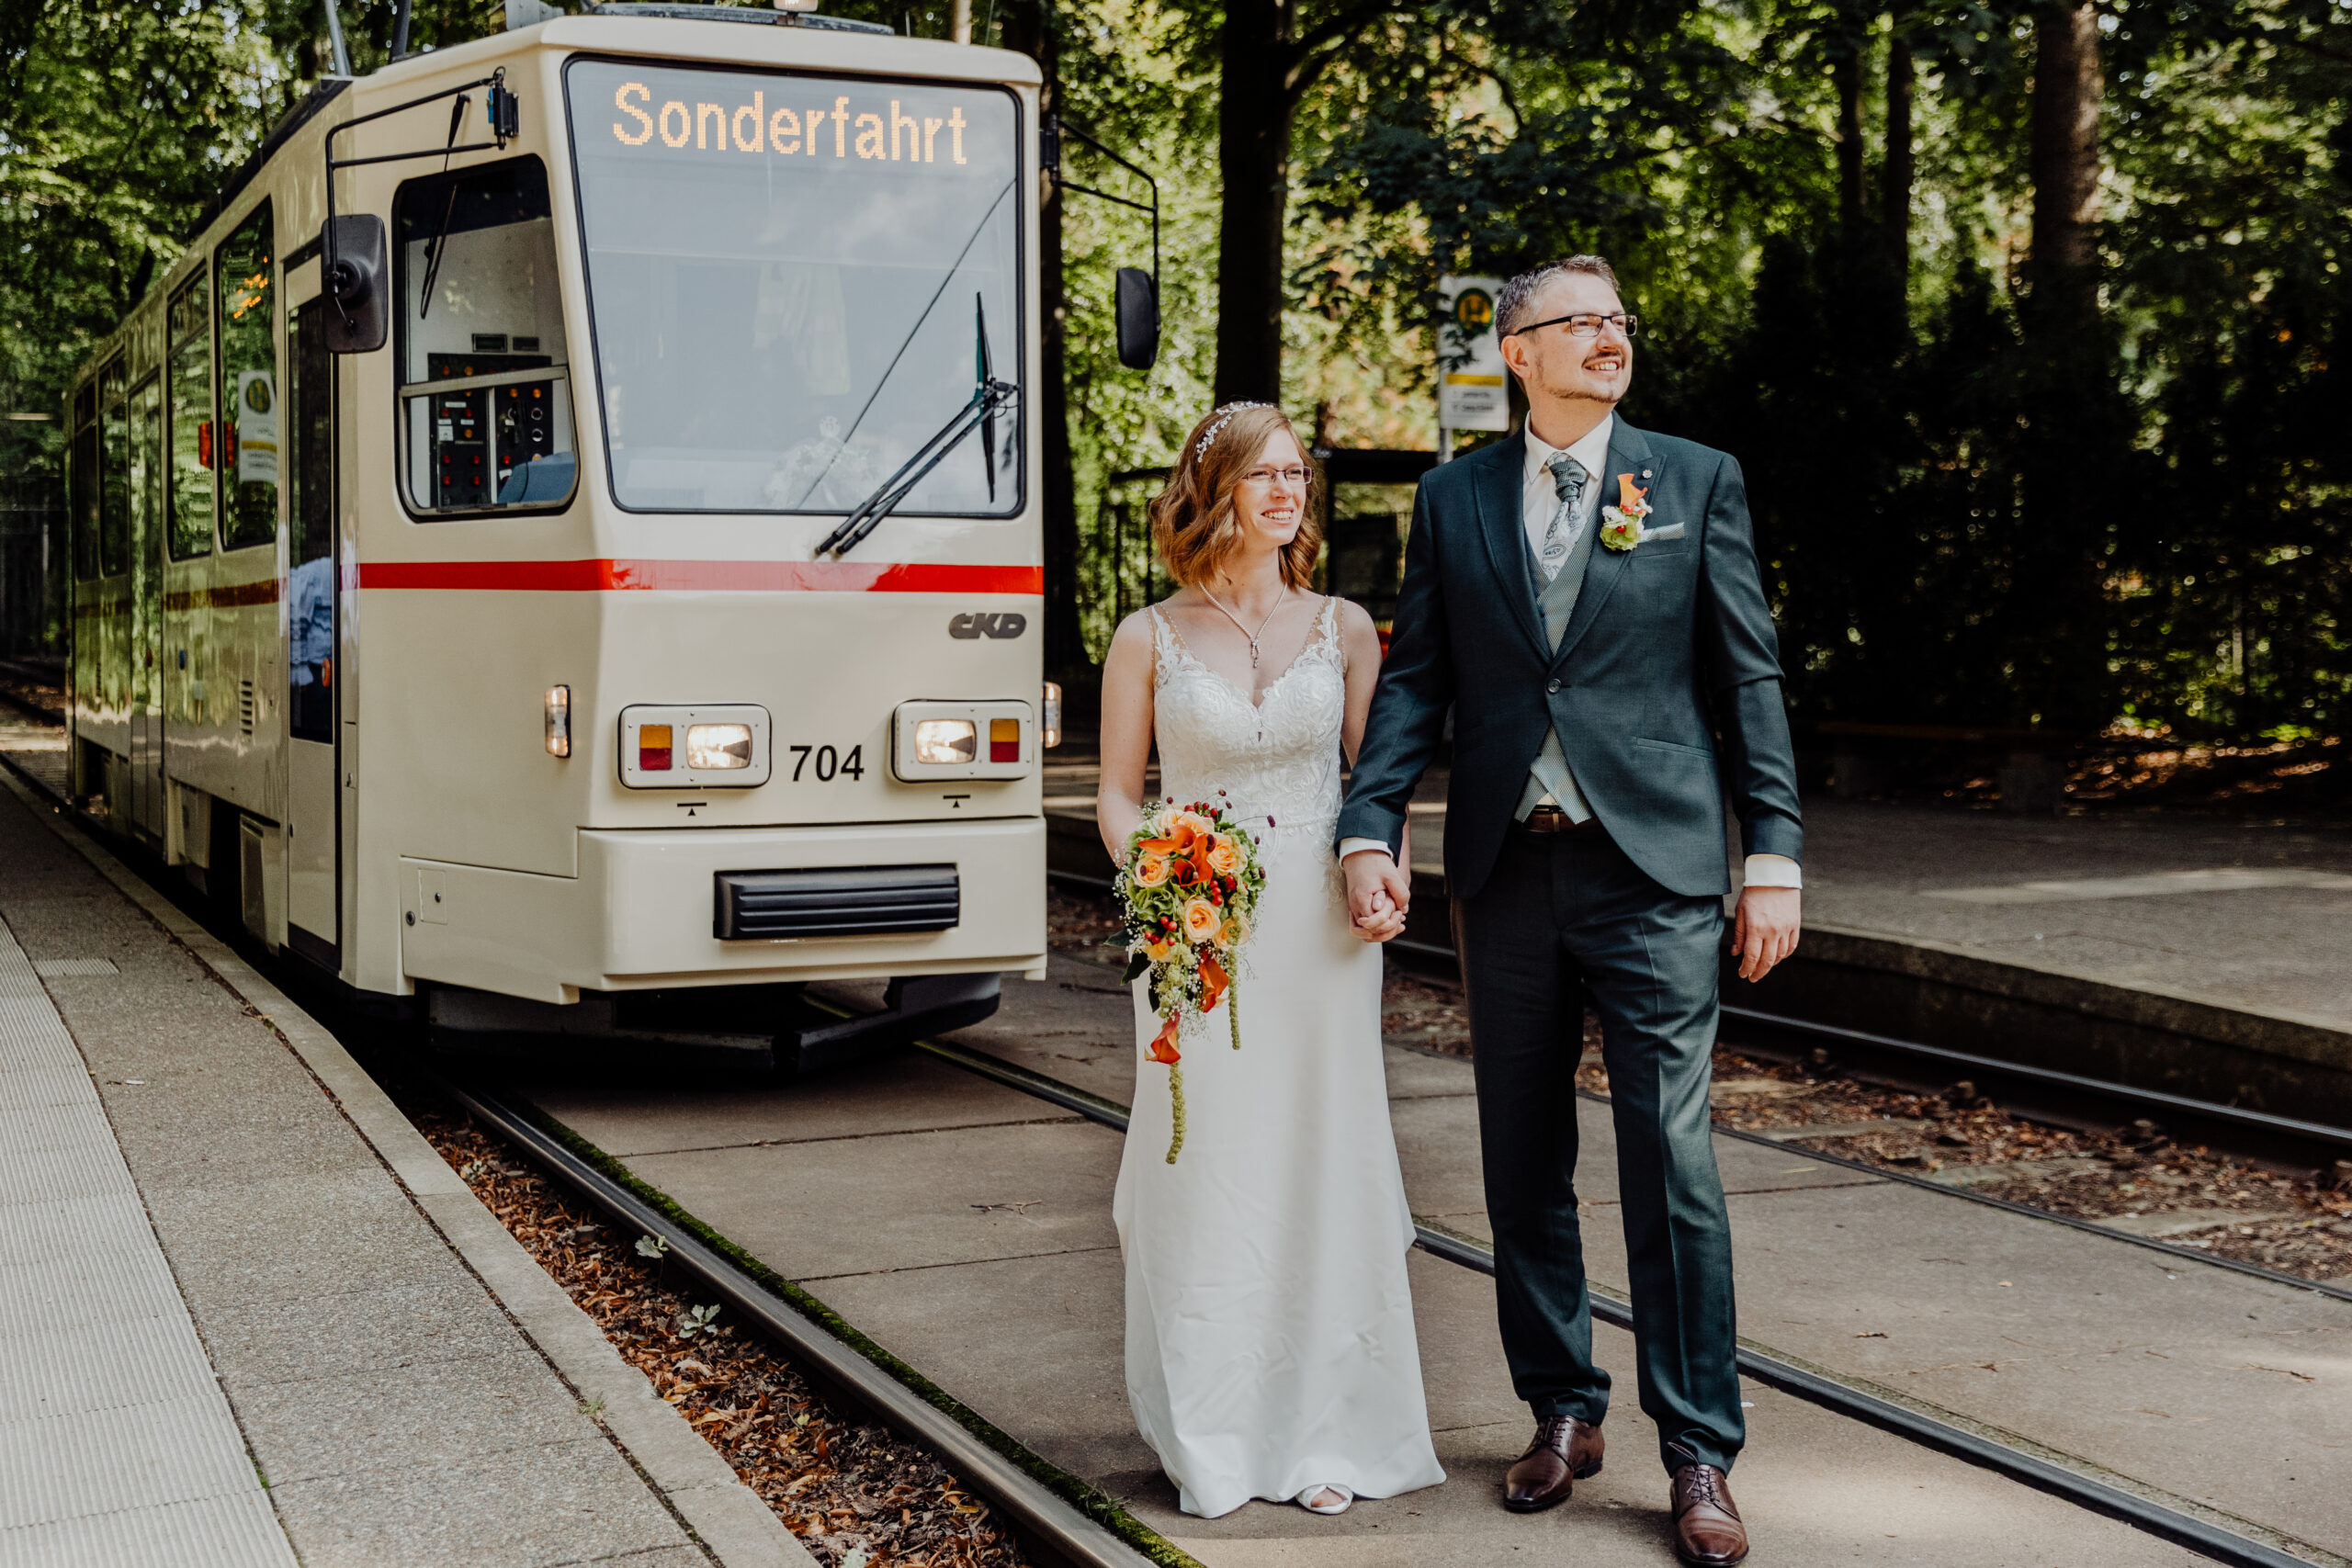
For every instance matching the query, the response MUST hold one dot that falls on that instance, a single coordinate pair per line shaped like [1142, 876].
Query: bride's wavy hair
[1195, 524]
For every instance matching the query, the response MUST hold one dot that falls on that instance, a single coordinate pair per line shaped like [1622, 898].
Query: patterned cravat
[1567, 478]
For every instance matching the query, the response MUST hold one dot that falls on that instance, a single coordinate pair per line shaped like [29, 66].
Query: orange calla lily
[1163, 1048]
[1215, 982]
[1628, 495]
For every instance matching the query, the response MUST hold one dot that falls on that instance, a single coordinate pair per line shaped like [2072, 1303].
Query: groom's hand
[1766, 929]
[1379, 893]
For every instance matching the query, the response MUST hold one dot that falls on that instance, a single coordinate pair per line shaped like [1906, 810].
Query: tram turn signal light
[1004, 741]
[716, 748]
[946, 741]
[559, 719]
[653, 749]
[1049, 717]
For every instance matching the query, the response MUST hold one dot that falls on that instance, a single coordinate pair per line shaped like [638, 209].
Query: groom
[1612, 672]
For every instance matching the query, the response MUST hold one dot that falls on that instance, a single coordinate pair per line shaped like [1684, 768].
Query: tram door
[147, 610]
[313, 900]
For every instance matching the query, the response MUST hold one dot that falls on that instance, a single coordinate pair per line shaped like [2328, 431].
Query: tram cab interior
[511, 597]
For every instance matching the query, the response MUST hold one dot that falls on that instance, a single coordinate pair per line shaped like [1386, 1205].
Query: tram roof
[1017, 67]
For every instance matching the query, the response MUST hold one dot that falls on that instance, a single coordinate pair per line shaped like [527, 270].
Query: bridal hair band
[1227, 414]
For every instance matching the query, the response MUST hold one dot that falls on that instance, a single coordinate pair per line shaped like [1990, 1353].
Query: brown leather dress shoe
[1707, 1529]
[1565, 1451]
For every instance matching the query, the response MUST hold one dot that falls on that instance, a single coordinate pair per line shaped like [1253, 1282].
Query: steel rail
[2261, 1121]
[2156, 1518]
[2235, 1116]
[2072, 1221]
[1040, 1514]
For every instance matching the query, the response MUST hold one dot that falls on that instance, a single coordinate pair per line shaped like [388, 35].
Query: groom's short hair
[1512, 310]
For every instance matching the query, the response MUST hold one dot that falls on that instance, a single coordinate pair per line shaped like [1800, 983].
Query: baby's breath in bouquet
[1188, 886]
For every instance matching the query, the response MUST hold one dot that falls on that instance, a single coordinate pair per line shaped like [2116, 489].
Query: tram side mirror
[1138, 316]
[359, 283]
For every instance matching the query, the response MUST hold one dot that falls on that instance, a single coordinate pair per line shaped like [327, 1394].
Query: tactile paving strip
[116, 1446]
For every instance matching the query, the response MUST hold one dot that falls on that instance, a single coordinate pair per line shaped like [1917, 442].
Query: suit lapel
[1629, 452]
[1500, 491]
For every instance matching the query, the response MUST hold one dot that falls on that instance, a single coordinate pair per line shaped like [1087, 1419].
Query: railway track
[1059, 1530]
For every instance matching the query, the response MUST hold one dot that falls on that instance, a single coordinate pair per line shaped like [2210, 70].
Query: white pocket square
[1671, 531]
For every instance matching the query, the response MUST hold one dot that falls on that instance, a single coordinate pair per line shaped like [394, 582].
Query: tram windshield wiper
[989, 398]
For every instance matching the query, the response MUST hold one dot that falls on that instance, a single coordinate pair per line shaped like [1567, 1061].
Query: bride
[1270, 1340]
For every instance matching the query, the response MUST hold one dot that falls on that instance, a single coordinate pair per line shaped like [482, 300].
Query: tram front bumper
[640, 912]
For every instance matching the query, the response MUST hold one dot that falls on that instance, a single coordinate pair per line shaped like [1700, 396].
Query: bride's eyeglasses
[1294, 476]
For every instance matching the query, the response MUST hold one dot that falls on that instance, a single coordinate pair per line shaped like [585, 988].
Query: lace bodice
[1279, 757]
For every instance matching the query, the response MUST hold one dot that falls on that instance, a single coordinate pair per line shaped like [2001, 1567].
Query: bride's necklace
[1245, 631]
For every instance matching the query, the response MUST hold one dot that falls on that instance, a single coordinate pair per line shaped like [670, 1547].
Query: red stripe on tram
[703, 576]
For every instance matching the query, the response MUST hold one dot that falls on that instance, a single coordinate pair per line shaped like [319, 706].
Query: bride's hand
[1384, 920]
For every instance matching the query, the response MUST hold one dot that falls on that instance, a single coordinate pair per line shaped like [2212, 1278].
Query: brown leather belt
[1550, 820]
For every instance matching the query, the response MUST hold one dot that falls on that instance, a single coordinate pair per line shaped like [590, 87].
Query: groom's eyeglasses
[1584, 324]
[1264, 478]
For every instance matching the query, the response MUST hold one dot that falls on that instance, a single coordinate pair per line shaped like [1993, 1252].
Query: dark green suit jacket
[1665, 688]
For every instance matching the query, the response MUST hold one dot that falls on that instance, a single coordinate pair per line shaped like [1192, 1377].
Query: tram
[563, 543]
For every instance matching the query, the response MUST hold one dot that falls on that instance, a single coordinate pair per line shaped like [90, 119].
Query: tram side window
[310, 659]
[246, 268]
[190, 486]
[486, 394]
[146, 471]
[114, 472]
[84, 498]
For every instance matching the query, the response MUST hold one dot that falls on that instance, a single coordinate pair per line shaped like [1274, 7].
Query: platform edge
[730, 1519]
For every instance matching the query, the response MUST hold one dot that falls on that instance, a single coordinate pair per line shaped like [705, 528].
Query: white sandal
[1317, 1490]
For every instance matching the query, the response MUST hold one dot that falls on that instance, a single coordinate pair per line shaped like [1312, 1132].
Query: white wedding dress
[1270, 1325]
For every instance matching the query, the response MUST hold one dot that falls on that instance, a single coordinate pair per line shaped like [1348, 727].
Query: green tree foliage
[1989, 492]
[118, 123]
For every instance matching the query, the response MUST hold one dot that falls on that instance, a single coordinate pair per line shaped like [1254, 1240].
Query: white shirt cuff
[1350, 846]
[1773, 871]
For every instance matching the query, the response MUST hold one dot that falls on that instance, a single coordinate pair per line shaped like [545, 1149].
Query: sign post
[1473, 384]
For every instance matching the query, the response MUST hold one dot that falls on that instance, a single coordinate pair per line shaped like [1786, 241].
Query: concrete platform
[248, 1316]
[2198, 956]
[968, 1229]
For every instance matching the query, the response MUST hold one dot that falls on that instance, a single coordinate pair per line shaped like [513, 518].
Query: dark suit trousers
[1563, 919]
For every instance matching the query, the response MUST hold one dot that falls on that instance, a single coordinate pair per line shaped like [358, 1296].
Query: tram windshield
[786, 273]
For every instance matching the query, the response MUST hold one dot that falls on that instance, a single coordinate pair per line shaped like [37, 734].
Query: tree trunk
[1028, 28]
[2066, 163]
[1895, 192]
[1845, 76]
[2076, 432]
[1253, 158]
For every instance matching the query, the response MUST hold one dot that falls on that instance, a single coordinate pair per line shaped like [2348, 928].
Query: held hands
[1379, 894]
[1764, 931]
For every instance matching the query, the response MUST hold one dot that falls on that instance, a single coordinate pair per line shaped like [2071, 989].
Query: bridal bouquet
[1188, 885]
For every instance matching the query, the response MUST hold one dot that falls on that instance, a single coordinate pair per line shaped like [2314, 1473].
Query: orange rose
[1224, 855]
[1201, 920]
[1151, 870]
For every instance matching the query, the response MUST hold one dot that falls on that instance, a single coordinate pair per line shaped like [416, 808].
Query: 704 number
[827, 763]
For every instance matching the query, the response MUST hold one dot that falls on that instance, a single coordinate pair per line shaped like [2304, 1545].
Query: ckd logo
[1010, 624]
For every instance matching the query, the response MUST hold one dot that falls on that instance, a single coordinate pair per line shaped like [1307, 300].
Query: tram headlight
[713, 746]
[943, 739]
[944, 742]
[717, 747]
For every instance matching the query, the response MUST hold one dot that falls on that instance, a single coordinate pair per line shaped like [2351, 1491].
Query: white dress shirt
[1541, 496]
[1538, 501]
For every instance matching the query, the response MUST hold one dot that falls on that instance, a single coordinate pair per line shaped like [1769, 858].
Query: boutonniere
[1620, 526]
